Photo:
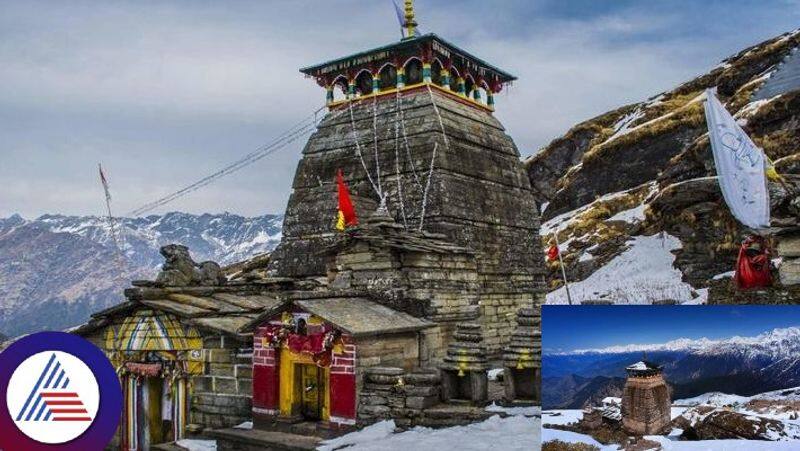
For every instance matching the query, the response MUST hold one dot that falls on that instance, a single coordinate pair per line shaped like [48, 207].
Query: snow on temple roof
[638, 366]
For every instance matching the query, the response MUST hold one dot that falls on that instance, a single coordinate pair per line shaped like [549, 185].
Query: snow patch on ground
[524, 411]
[642, 274]
[563, 220]
[515, 433]
[633, 215]
[623, 125]
[198, 445]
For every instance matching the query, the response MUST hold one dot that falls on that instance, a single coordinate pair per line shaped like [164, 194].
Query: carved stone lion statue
[180, 270]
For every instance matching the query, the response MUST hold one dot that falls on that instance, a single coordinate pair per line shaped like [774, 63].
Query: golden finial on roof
[410, 23]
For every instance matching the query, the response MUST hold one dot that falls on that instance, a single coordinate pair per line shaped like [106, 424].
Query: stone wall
[789, 251]
[441, 287]
[221, 397]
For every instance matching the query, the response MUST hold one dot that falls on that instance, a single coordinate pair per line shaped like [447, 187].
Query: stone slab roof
[381, 230]
[362, 317]
[357, 316]
[215, 308]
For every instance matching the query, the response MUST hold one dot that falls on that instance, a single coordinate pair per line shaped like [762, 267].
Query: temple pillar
[401, 77]
[329, 94]
[376, 83]
[445, 78]
[462, 86]
[426, 72]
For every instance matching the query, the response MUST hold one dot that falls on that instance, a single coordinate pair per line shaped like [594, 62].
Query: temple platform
[260, 440]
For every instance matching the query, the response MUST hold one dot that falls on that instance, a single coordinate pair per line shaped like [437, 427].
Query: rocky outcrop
[710, 423]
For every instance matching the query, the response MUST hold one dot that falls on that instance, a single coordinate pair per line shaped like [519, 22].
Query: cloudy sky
[164, 93]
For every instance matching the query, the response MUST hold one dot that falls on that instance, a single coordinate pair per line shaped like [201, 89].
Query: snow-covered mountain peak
[80, 280]
[780, 342]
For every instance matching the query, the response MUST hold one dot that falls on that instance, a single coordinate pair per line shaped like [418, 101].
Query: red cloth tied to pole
[552, 253]
[753, 265]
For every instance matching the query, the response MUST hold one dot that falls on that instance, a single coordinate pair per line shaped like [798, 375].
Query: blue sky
[163, 93]
[588, 327]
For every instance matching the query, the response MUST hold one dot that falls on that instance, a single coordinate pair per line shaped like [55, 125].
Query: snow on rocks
[714, 398]
[533, 411]
[640, 275]
[635, 214]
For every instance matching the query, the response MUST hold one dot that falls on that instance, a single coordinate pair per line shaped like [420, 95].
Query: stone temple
[413, 124]
[645, 400]
[397, 317]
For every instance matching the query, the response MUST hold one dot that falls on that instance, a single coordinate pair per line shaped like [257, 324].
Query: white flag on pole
[741, 166]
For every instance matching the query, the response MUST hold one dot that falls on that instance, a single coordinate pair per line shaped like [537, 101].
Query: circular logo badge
[61, 393]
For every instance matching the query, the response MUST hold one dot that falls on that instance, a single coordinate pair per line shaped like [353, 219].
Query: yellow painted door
[312, 392]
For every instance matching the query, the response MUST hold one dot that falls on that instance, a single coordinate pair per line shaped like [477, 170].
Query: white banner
[741, 166]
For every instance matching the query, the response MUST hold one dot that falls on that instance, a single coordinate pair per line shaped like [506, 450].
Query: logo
[61, 393]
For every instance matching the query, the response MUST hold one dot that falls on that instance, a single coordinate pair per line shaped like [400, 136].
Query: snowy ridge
[225, 238]
[777, 343]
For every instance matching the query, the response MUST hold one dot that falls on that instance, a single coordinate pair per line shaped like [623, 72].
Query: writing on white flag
[741, 166]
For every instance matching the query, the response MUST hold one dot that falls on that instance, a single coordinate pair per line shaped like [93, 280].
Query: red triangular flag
[347, 214]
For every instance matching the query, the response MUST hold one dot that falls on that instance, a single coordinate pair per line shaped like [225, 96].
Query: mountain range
[55, 270]
[738, 365]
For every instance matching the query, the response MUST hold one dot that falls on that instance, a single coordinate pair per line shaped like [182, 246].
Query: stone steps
[260, 440]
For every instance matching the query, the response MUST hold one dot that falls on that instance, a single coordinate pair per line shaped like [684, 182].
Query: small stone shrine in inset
[645, 400]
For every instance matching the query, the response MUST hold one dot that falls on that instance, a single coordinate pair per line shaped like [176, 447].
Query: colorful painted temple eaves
[426, 59]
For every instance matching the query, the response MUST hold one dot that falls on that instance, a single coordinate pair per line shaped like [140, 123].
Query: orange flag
[347, 214]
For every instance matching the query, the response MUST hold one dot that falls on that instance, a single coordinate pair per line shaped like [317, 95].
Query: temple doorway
[157, 411]
[312, 386]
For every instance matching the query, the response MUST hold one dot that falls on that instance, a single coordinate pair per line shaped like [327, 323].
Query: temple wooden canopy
[414, 61]
[644, 369]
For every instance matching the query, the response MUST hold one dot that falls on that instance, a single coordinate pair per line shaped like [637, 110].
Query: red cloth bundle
[753, 265]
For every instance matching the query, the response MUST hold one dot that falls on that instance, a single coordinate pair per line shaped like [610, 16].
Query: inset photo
[670, 378]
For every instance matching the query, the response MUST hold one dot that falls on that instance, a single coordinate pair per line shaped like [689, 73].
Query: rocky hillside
[632, 194]
[56, 270]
